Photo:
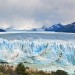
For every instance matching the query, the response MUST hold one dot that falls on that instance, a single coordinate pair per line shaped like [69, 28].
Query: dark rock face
[1, 30]
[70, 28]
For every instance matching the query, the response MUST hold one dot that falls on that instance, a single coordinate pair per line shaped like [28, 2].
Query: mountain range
[58, 28]
[54, 28]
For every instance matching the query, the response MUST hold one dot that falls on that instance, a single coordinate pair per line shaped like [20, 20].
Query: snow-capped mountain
[54, 28]
[58, 28]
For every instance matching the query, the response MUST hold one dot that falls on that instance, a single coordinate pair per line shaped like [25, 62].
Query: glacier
[38, 51]
[47, 51]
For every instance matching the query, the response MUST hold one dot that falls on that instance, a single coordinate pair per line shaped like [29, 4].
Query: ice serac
[38, 51]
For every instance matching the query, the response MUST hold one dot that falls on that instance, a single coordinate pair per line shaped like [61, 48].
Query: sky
[27, 14]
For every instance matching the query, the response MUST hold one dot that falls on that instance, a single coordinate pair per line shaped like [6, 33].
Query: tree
[61, 72]
[21, 70]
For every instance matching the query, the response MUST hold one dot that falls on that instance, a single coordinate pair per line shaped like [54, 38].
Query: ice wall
[38, 51]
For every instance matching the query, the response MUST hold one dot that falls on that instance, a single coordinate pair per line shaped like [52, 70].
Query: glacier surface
[38, 51]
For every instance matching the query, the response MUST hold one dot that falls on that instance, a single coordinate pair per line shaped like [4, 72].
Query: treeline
[22, 70]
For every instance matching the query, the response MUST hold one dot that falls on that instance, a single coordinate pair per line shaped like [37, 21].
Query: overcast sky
[26, 14]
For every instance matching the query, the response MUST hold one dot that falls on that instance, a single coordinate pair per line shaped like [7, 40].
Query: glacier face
[38, 51]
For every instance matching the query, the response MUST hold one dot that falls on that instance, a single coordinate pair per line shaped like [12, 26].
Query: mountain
[58, 28]
[2, 30]
[55, 28]
[69, 28]
[39, 29]
[62, 28]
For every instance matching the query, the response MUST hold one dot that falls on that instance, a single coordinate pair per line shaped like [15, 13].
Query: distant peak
[59, 24]
[73, 23]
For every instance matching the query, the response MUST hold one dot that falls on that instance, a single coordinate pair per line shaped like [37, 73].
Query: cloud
[21, 24]
[4, 25]
[26, 14]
